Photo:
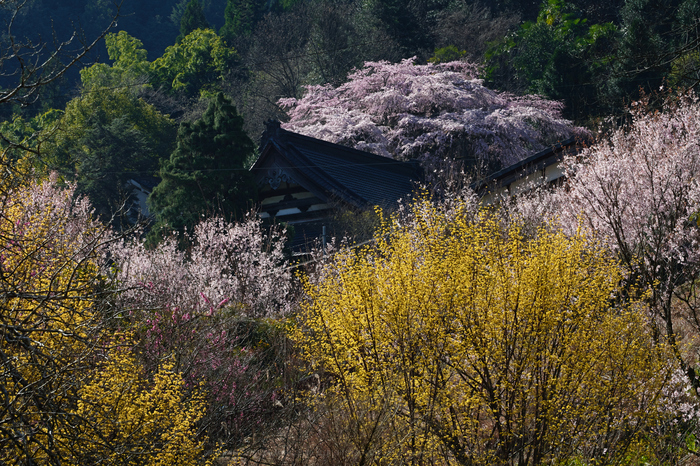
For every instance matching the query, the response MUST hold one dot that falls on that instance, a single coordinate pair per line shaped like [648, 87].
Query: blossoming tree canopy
[72, 391]
[637, 190]
[213, 309]
[409, 111]
[48, 275]
[238, 264]
[484, 343]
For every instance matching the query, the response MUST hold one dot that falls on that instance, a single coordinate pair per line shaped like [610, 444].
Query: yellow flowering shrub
[125, 419]
[48, 272]
[453, 341]
[61, 402]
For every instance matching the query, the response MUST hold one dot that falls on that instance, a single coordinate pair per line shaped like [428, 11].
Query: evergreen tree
[112, 153]
[241, 17]
[206, 174]
[193, 18]
[402, 24]
[560, 56]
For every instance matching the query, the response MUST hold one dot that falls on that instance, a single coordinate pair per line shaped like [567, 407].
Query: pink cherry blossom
[241, 264]
[637, 191]
[410, 111]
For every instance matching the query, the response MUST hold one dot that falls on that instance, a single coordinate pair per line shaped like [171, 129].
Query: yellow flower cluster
[475, 345]
[127, 420]
[72, 390]
[46, 317]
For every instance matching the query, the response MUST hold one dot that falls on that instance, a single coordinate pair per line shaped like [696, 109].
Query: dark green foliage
[658, 45]
[105, 138]
[109, 135]
[283, 39]
[597, 57]
[334, 41]
[560, 56]
[213, 12]
[470, 28]
[207, 173]
[661, 41]
[113, 153]
[149, 21]
[200, 62]
[404, 25]
[592, 55]
[645, 23]
[600, 12]
[193, 18]
[447, 54]
[241, 16]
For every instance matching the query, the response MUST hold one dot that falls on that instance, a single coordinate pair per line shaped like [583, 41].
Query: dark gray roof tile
[356, 177]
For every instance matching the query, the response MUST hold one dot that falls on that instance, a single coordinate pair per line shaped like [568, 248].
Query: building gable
[302, 181]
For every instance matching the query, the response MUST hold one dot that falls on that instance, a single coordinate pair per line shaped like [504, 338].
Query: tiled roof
[356, 177]
[537, 161]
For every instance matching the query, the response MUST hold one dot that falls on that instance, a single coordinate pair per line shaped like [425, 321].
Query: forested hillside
[163, 61]
[597, 55]
[557, 327]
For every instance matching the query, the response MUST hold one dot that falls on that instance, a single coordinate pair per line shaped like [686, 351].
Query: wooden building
[544, 167]
[303, 180]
